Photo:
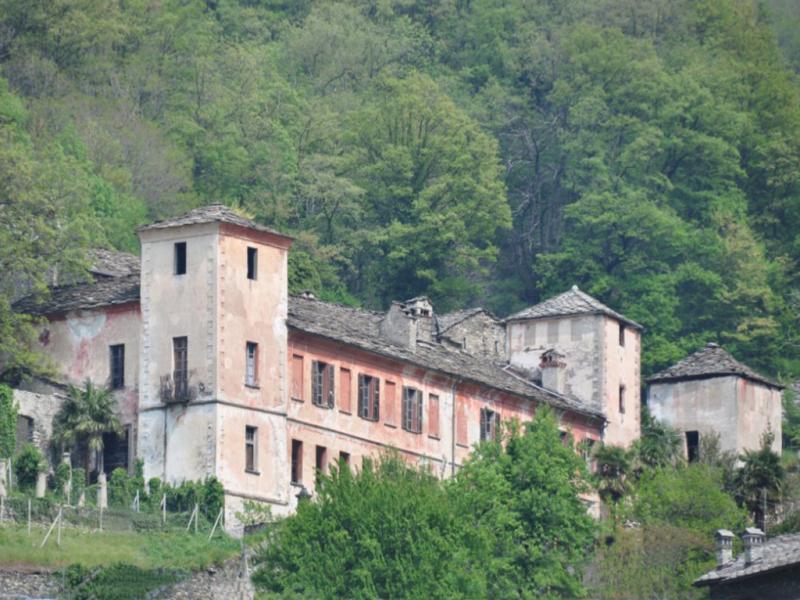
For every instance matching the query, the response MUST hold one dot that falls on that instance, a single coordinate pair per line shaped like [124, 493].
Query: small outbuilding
[711, 392]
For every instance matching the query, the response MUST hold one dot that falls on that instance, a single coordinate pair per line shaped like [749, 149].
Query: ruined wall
[703, 405]
[621, 367]
[41, 408]
[760, 409]
[479, 334]
[581, 339]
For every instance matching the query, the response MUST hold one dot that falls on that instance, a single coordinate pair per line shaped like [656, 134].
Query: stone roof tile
[213, 213]
[572, 302]
[361, 328]
[710, 361]
[776, 553]
[110, 263]
[107, 291]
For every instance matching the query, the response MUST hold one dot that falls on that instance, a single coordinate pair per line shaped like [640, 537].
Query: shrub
[117, 582]
[27, 466]
[8, 422]
[120, 488]
[62, 475]
[78, 483]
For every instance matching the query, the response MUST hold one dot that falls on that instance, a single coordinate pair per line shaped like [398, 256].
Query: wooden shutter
[418, 429]
[297, 377]
[345, 384]
[362, 396]
[331, 389]
[433, 415]
[484, 427]
[376, 398]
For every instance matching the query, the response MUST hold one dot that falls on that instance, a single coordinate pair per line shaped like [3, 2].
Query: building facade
[711, 393]
[218, 371]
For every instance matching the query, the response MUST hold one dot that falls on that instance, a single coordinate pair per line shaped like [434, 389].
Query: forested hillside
[479, 151]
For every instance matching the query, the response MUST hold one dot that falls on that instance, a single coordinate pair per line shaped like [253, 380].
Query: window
[490, 425]
[180, 366]
[251, 375]
[692, 446]
[587, 448]
[621, 334]
[433, 415]
[368, 397]
[322, 384]
[297, 462]
[250, 449]
[566, 439]
[622, 399]
[117, 354]
[252, 262]
[344, 458]
[321, 460]
[180, 258]
[412, 410]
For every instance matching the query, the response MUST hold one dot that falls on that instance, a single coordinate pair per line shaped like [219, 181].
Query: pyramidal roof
[711, 361]
[213, 213]
[572, 302]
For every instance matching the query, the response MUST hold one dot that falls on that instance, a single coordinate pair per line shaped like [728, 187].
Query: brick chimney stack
[724, 540]
[753, 539]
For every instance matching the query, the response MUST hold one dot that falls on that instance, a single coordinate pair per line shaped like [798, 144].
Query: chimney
[553, 371]
[724, 539]
[399, 327]
[422, 310]
[753, 539]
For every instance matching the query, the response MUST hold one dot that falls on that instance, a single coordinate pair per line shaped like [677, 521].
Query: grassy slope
[177, 550]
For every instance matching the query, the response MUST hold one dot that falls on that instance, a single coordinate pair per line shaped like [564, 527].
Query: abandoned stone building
[217, 370]
[711, 393]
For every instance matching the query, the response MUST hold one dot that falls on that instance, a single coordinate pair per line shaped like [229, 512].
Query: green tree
[8, 422]
[86, 414]
[521, 498]
[760, 479]
[28, 463]
[659, 445]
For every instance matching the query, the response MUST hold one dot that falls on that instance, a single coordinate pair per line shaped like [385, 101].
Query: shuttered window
[433, 415]
[117, 358]
[322, 390]
[251, 375]
[412, 410]
[180, 363]
[250, 448]
[368, 397]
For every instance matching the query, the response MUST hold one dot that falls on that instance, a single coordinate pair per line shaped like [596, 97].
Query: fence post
[135, 505]
[193, 516]
[60, 518]
[101, 517]
[216, 522]
[49, 531]
[29, 517]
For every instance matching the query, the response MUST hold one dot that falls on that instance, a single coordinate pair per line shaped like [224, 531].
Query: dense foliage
[8, 422]
[480, 152]
[510, 525]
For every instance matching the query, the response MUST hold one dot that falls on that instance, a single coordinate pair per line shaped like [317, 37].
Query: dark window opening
[490, 425]
[369, 397]
[297, 461]
[116, 450]
[322, 390]
[251, 371]
[566, 438]
[692, 446]
[252, 262]
[180, 365]
[344, 458]
[321, 460]
[117, 359]
[250, 448]
[412, 410]
[621, 334]
[180, 258]
[24, 431]
[622, 399]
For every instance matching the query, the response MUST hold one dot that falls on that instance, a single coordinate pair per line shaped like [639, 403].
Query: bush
[27, 466]
[78, 484]
[8, 422]
[62, 475]
[120, 488]
[117, 582]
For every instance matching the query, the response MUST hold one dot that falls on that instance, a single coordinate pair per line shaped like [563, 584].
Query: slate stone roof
[213, 213]
[711, 361]
[776, 553]
[106, 291]
[361, 328]
[454, 318]
[572, 302]
[109, 263]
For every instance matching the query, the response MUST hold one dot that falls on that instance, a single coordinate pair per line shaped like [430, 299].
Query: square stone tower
[213, 304]
[599, 357]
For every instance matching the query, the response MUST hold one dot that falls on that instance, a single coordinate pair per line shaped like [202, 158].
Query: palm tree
[84, 417]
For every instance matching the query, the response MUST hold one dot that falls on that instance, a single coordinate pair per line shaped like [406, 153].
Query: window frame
[411, 413]
[251, 364]
[296, 466]
[116, 353]
[180, 367]
[490, 425]
[323, 384]
[369, 395]
[180, 259]
[251, 445]
[252, 263]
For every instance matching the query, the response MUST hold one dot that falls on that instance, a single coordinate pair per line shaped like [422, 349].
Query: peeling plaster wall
[622, 368]
[579, 338]
[340, 429]
[41, 408]
[703, 405]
